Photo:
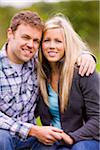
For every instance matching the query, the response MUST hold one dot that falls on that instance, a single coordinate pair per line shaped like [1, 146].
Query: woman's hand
[86, 64]
[67, 139]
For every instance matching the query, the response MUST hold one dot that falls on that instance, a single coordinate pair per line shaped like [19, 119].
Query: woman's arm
[90, 90]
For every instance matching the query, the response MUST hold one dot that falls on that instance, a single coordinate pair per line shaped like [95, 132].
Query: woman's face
[53, 44]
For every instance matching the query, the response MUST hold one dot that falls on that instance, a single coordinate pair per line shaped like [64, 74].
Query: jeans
[86, 145]
[55, 146]
[82, 145]
[9, 142]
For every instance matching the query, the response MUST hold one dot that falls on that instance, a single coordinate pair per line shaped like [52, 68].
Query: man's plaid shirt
[18, 96]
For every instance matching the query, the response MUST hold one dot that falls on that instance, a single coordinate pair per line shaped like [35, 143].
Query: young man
[19, 86]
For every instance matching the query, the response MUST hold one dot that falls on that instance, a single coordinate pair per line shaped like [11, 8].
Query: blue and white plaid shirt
[18, 96]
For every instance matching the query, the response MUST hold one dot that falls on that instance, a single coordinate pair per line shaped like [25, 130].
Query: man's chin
[26, 60]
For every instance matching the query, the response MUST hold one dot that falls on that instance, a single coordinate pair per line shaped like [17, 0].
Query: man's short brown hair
[26, 17]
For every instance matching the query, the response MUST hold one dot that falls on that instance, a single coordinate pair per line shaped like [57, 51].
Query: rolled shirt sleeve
[14, 126]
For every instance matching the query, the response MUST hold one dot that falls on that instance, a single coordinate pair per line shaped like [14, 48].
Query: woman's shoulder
[93, 80]
[87, 83]
[94, 75]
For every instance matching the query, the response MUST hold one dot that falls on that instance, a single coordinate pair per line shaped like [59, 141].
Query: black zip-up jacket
[81, 118]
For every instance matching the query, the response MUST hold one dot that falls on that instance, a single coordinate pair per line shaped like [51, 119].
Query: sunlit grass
[38, 121]
[98, 63]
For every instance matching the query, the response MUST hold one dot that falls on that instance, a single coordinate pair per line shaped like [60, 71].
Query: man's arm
[90, 90]
[46, 134]
[15, 127]
[86, 62]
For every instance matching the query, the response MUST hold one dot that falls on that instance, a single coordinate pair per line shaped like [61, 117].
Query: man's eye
[25, 37]
[36, 41]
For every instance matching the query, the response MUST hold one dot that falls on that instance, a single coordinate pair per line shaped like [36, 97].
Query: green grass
[98, 67]
[38, 121]
[98, 63]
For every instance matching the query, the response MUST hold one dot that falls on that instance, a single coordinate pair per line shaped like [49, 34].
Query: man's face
[23, 43]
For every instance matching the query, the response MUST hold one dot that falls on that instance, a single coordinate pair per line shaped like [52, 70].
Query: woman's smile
[53, 44]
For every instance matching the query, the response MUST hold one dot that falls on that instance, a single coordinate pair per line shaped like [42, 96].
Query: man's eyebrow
[36, 39]
[25, 35]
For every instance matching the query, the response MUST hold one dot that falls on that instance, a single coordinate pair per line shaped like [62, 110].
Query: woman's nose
[52, 44]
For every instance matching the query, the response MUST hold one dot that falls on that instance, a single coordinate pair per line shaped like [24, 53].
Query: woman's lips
[52, 53]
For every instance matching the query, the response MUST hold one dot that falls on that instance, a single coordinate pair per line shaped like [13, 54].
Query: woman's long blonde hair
[73, 47]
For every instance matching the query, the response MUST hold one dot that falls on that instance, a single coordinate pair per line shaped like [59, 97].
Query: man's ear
[10, 33]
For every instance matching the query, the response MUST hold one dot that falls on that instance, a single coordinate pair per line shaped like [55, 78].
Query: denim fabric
[83, 145]
[7, 142]
[86, 145]
[55, 146]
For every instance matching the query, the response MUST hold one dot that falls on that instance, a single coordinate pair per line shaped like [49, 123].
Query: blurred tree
[84, 16]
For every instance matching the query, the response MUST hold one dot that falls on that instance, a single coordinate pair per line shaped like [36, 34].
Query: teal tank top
[54, 108]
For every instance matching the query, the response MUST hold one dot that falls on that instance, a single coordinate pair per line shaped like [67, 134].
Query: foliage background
[84, 16]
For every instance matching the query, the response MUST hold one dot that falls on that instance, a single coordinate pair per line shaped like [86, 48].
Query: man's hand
[86, 64]
[46, 134]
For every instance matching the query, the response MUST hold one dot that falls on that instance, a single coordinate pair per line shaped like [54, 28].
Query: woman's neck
[54, 68]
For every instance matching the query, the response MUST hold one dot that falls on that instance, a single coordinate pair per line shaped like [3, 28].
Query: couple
[66, 96]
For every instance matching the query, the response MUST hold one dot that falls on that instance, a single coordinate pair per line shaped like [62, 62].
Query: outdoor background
[84, 16]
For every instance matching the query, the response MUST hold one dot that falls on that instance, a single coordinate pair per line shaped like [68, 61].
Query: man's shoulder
[3, 58]
[3, 52]
[32, 63]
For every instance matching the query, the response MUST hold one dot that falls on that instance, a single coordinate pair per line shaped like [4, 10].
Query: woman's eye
[46, 40]
[59, 41]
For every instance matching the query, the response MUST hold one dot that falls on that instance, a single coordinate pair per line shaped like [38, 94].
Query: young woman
[68, 100]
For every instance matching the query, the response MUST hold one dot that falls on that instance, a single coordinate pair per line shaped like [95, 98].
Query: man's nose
[30, 44]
